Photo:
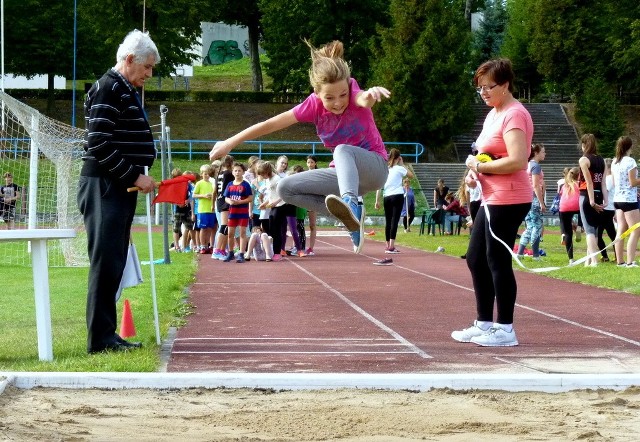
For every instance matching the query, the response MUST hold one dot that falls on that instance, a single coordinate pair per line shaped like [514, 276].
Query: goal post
[44, 158]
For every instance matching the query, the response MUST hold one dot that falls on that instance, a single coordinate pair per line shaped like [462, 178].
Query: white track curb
[550, 383]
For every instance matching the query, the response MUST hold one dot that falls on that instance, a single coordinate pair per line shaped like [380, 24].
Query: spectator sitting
[453, 211]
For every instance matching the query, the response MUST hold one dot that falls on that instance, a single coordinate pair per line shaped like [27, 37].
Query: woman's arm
[633, 177]
[409, 172]
[538, 189]
[222, 148]
[516, 159]
[377, 205]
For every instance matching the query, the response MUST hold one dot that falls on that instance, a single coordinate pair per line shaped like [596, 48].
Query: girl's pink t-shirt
[514, 188]
[569, 202]
[355, 126]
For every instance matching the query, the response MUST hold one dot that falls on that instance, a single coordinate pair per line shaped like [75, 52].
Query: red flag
[174, 190]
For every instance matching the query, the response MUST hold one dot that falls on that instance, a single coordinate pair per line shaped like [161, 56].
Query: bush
[598, 111]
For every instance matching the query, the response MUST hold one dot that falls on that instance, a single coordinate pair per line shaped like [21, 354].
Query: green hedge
[169, 96]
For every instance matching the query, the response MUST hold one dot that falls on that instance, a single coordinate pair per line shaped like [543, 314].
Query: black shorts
[221, 205]
[180, 218]
[626, 207]
[8, 213]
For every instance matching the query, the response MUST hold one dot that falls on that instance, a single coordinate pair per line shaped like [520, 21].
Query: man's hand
[145, 183]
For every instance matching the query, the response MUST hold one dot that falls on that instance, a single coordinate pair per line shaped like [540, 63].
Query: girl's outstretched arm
[371, 96]
[222, 148]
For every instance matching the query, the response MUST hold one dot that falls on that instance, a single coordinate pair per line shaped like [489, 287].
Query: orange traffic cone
[127, 329]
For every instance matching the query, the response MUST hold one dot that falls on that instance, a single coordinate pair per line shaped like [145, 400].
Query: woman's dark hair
[623, 145]
[394, 154]
[535, 149]
[499, 70]
[590, 145]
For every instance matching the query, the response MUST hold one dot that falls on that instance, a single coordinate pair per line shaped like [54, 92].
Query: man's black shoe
[118, 344]
[128, 343]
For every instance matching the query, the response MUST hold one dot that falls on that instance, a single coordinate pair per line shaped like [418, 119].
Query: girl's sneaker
[392, 251]
[632, 264]
[310, 252]
[217, 254]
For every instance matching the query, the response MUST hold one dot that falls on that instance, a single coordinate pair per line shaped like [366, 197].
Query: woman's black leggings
[392, 209]
[490, 261]
[566, 226]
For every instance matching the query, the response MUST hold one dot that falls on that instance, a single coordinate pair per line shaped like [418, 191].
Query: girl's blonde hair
[206, 168]
[265, 169]
[571, 180]
[328, 65]
[394, 154]
[462, 193]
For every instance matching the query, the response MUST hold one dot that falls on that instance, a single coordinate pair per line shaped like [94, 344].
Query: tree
[487, 41]
[424, 62]
[288, 22]
[624, 40]
[598, 111]
[244, 13]
[33, 45]
[517, 37]
[174, 26]
[41, 41]
[568, 42]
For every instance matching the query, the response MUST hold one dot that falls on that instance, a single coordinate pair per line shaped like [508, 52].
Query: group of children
[229, 200]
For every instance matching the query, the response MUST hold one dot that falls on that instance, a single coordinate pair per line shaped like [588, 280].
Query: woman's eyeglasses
[482, 89]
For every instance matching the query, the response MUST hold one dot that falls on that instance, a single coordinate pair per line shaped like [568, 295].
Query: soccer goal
[43, 157]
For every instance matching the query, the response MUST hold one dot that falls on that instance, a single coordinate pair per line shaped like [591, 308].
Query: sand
[323, 415]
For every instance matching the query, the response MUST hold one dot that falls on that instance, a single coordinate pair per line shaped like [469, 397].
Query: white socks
[506, 327]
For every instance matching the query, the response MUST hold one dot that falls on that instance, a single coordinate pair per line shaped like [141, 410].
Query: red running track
[337, 313]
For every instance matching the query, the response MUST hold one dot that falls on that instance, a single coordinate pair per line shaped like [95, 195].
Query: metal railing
[190, 148]
[202, 147]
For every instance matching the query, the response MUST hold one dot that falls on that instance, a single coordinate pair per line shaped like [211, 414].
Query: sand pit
[319, 415]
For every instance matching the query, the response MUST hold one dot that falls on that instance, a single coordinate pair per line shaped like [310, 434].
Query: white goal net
[43, 157]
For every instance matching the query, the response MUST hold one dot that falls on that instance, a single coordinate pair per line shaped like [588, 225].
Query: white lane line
[253, 283]
[366, 315]
[577, 324]
[531, 309]
[261, 338]
[408, 352]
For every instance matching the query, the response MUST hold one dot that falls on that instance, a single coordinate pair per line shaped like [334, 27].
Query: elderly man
[118, 145]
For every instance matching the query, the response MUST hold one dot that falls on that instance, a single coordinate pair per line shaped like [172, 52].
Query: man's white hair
[138, 44]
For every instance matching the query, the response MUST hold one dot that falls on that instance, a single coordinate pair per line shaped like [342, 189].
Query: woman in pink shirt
[507, 193]
[342, 114]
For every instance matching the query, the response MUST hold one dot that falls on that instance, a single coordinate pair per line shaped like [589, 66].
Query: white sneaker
[468, 333]
[496, 337]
